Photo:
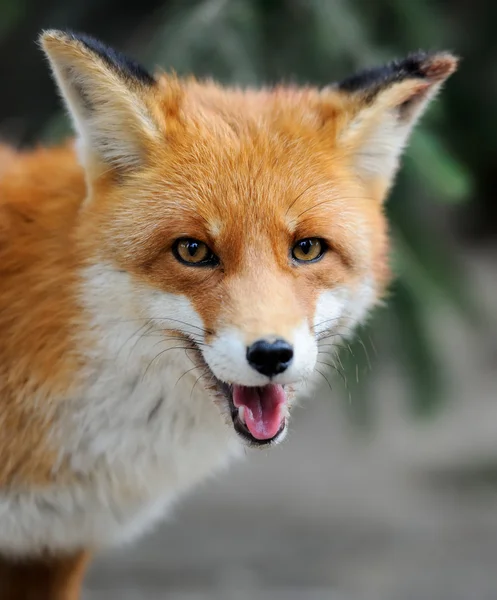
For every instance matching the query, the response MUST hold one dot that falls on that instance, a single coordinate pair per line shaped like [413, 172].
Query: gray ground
[407, 514]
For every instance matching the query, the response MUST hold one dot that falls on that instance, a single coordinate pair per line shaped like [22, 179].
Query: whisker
[202, 329]
[163, 352]
[327, 334]
[185, 373]
[366, 353]
[341, 328]
[372, 345]
[326, 379]
[196, 381]
[177, 338]
[195, 337]
[138, 340]
[300, 196]
[340, 361]
[339, 346]
[321, 362]
[131, 337]
[325, 321]
[327, 201]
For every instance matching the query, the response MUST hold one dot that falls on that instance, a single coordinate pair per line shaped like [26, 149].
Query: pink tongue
[263, 408]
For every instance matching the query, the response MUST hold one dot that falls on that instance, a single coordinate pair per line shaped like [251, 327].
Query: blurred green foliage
[317, 41]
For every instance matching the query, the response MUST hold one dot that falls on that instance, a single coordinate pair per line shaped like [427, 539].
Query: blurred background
[387, 486]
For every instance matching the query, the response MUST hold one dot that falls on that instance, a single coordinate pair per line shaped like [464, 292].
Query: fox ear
[380, 107]
[105, 93]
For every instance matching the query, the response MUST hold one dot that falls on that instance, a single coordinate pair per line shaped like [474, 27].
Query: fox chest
[145, 429]
[132, 446]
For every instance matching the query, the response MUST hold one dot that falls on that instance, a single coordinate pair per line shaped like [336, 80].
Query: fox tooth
[241, 414]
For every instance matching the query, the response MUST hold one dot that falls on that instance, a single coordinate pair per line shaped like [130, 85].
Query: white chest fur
[139, 432]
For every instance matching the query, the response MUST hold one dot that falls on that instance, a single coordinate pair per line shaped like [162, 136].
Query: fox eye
[194, 253]
[308, 250]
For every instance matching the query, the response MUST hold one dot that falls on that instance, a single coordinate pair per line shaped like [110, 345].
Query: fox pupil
[192, 248]
[305, 246]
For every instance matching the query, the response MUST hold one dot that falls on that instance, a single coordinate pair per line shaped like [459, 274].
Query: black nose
[270, 358]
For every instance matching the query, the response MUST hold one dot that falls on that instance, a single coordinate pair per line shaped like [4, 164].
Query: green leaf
[429, 273]
[442, 174]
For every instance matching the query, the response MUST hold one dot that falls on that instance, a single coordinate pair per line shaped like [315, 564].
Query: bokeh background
[387, 487]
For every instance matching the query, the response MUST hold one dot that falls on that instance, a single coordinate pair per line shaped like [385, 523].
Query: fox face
[245, 226]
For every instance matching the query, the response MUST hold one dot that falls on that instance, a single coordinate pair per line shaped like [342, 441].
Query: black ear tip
[438, 66]
[435, 67]
[127, 67]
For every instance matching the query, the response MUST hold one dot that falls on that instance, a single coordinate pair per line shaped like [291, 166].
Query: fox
[169, 278]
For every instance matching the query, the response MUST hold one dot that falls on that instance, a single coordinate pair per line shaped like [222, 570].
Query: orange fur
[40, 194]
[247, 172]
[268, 149]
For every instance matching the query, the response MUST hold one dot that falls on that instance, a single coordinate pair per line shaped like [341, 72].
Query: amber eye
[308, 249]
[195, 253]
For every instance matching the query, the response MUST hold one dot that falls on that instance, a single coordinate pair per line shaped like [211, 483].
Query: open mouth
[258, 412]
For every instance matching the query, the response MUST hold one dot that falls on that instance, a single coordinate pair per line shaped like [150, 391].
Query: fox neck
[141, 395]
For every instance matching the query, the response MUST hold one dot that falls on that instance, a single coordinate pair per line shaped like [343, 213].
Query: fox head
[250, 222]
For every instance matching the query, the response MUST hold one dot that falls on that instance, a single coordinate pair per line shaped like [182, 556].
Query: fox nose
[270, 357]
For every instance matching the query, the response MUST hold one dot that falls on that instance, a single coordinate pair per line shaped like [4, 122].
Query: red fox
[167, 282]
